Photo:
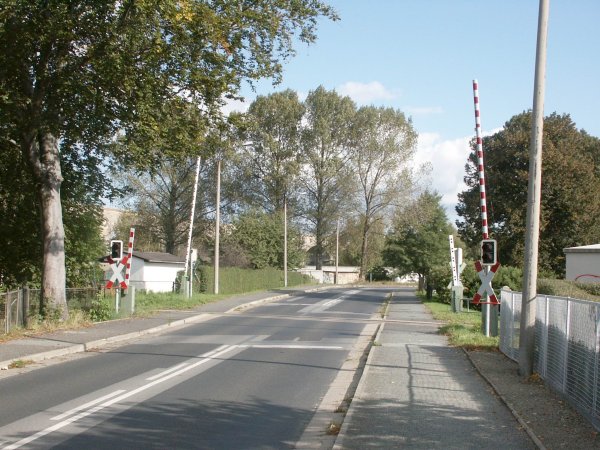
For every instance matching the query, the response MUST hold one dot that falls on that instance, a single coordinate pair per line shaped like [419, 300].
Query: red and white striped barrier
[484, 221]
[129, 256]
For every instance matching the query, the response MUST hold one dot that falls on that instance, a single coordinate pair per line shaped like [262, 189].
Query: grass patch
[147, 303]
[19, 363]
[463, 329]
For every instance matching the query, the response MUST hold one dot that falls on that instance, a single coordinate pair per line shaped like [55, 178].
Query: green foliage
[419, 241]
[234, 280]
[379, 273]
[80, 73]
[590, 288]
[382, 145]
[566, 288]
[440, 277]
[260, 235]
[505, 276]
[271, 157]
[569, 208]
[101, 310]
[327, 180]
[463, 329]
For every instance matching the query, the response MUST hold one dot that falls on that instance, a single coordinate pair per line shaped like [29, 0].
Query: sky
[421, 57]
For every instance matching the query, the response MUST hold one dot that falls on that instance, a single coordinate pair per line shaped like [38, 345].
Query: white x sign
[486, 283]
[117, 276]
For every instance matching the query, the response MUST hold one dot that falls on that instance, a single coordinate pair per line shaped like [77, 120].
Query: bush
[505, 276]
[439, 279]
[566, 288]
[100, 310]
[379, 273]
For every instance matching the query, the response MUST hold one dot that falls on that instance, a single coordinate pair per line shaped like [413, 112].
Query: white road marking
[87, 405]
[93, 406]
[296, 347]
[164, 372]
[207, 357]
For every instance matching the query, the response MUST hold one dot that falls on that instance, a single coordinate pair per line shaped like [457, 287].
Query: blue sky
[420, 56]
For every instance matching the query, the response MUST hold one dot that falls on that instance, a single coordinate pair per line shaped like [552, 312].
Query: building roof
[159, 257]
[595, 248]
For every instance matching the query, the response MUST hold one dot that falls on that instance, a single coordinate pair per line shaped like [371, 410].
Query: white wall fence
[566, 346]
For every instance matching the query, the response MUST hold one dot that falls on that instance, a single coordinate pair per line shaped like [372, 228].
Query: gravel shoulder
[547, 415]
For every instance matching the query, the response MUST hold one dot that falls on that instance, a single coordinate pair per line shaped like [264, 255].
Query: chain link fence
[16, 307]
[567, 333]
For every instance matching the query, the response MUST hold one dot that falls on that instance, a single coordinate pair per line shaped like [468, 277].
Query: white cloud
[448, 159]
[235, 105]
[367, 92]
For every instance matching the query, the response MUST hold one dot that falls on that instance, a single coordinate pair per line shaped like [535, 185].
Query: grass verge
[148, 303]
[463, 329]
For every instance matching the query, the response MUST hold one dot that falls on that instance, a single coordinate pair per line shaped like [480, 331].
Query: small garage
[583, 263]
[154, 271]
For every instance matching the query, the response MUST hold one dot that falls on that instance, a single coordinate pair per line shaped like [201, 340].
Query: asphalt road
[251, 379]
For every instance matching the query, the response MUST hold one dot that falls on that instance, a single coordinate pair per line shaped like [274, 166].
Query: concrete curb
[338, 445]
[99, 343]
[80, 348]
[516, 415]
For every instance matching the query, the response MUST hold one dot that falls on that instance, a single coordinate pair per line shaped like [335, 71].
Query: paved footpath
[417, 392]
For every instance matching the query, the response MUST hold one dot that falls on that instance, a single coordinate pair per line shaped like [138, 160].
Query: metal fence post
[512, 320]
[25, 306]
[7, 314]
[545, 334]
[597, 345]
[566, 356]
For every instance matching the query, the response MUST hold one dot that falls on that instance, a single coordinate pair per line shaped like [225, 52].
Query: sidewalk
[417, 392]
[64, 342]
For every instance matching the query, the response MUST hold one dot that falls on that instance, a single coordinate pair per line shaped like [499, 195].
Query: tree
[21, 261]
[326, 177]
[419, 241]
[260, 236]
[270, 157]
[163, 203]
[381, 151]
[350, 250]
[570, 205]
[77, 72]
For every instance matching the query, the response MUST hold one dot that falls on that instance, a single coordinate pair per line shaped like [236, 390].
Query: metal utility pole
[187, 279]
[527, 332]
[217, 225]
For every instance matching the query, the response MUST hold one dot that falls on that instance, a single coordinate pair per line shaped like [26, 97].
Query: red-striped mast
[484, 221]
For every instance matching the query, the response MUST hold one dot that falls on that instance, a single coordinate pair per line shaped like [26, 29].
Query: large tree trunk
[421, 286]
[45, 158]
[319, 250]
[363, 249]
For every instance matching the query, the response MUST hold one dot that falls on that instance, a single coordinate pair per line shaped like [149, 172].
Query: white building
[154, 271]
[346, 274]
[583, 263]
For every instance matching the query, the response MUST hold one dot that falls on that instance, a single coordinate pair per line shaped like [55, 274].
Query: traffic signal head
[488, 252]
[116, 250]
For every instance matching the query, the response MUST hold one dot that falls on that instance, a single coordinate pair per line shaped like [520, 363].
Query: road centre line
[93, 406]
[207, 357]
[87, 405]
[164, 372]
